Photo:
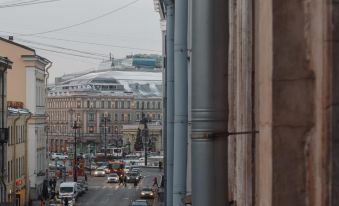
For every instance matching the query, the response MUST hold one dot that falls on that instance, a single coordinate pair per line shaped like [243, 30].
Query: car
[99, 172]
[114, 177]
[132, 177]
[140, 203]
[68, 190]
[59, 156]
[147, 192]
[81, 189]
[137, 170]
[83, 184]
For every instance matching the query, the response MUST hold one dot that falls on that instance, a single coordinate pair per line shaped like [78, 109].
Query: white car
[59, 156]
[99, 172]
[114, 177]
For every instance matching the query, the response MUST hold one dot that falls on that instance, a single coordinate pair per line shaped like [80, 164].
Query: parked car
[113, 178]
[69, 190]
[81, 188]
[59, 156]
[147, 192]
[84, 184]
[140, 203]
[99, 172]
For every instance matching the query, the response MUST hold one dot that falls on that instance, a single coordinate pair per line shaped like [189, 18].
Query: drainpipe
[209, 102]
[180, 101]
[26, 159]
[170, 99]
[14, 153]
[46, 94]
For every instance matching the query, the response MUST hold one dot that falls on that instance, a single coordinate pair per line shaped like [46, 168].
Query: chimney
[10, 38]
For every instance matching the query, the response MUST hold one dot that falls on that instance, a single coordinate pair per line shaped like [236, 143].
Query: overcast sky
[136, 25]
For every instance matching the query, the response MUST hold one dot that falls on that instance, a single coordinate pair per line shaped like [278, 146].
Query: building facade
[274, 68]
[4, 65]
[17, 150]
[99, 100]
[27, 84]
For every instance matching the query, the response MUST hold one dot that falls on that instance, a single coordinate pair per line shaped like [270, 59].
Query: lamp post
[144, 133]
[75, 127]
[105, 134]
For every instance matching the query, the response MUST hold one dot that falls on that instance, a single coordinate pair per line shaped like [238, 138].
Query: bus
[116, 167]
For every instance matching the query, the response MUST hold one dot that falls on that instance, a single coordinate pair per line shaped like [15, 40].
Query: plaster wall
[16, 77]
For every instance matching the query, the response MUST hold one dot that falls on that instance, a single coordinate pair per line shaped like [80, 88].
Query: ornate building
[101, 99]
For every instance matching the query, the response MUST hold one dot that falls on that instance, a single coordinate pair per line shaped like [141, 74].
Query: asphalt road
[101, 193]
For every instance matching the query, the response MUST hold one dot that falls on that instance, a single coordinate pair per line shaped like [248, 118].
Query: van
[69, 190]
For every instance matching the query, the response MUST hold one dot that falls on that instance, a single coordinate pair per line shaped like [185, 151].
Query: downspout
[14, 152]
[46, 105]
[26, 159]
[180, 102]
[170, 99]
[209, 102]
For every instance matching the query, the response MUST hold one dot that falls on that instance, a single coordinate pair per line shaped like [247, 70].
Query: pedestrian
[125, 180]
[85, 177]
[155, 181]
[54, 183]
[66, 201]
[42, 202]
[120, 179]
[50, 182]
[160, 165]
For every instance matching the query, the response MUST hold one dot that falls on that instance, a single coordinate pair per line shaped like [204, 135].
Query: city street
[102, 193]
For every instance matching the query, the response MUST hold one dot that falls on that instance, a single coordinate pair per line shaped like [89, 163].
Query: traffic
[111, 169]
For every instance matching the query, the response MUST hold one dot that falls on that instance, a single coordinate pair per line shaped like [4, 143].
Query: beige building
[17, 153]
[91, 98]
[27, 84]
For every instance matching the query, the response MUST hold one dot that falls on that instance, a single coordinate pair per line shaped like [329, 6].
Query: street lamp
[105, 134]
[75, 126]
[144, 133]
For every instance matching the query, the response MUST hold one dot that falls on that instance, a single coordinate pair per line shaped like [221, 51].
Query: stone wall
[295, 59]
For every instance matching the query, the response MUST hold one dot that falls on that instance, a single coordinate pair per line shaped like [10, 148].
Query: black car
[132, 177]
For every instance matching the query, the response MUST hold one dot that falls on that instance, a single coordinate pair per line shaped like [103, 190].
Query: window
[116, 117]
[138, 106]
[129, 117]
[116, 104]
[138, 116]
[109, 104]
[153, 105]
[122, 104]
[148, 105]
[122, 117]
[91, 117]
[88, 103]
[94, 104]
[102, 104]
[128, 105]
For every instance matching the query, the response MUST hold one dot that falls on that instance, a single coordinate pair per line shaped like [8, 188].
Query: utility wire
[88, 43]
[33, 2]
[97, 44]
[84, 22]
[63, 48]
[66, 53]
